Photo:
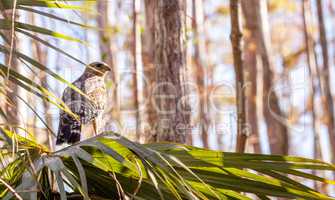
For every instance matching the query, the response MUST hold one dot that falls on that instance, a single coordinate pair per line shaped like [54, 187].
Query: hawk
[88, 107]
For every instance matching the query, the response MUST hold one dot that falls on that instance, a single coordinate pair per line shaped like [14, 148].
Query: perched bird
[88, 107]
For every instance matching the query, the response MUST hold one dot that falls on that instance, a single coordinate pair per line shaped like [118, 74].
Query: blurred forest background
[287, 51]
[259, 80]
[288, 59]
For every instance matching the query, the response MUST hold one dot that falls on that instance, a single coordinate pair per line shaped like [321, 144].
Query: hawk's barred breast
[87, 107]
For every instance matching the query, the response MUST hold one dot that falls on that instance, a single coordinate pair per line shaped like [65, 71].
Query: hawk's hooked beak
[104, 67]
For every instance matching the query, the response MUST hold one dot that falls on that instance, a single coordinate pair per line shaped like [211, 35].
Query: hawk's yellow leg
[95, 127]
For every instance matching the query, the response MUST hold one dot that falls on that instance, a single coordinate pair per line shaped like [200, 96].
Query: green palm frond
[8, 4]
[110, 166]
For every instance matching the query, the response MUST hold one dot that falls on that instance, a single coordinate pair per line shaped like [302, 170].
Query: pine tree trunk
[250, 66]
[137, 62]
[254, 12]
[189, 24]
[327, 99]
[11, 107]
[314, 82]
[312, 70]
[173, 110]
[148, 58]
[41, 56]
[107, 56]
[236, 37]
[200, 71]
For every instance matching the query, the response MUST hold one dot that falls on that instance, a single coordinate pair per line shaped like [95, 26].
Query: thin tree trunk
[312, 70]
[11, 107]
[331, 9]
[255, 11]
[170, 63]
[327, 100]
[148, 58]
[236, 37]
[107, 55]
[277, 130]
[200, 72]
[251, 72]
[137, 62]
[41, 55]
[250, 66]
[316, 78]
[189, 59]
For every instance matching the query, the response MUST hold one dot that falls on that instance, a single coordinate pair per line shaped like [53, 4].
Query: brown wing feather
[69, 129]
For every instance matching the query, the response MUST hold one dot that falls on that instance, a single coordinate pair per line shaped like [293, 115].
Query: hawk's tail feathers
[69, 131]
[74, 136]
[59, 141]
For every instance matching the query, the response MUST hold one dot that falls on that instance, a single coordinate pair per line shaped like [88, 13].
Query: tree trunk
[189, 61]
[312, 70]
[11, 107]
[41, 56]
[137, 62]
[254, 11]
[173, 110]
[239, 79]
[107, 55]
[148, 59]
[201, 72]
[250, 66]
[327, 100]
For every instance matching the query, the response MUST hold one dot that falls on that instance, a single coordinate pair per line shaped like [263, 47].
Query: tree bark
[148, 59]
[42, 55]
[327, 99]
[137, 62]
[107, 56]
[173, 110]
[250, 66]
[314, 81]
[189, 61]
[200, 71]
[11, 107]
[236, 37]
[254, 11]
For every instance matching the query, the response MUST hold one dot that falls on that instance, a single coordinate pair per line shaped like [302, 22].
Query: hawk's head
[98, 68]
